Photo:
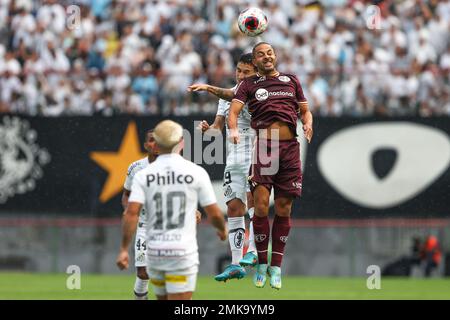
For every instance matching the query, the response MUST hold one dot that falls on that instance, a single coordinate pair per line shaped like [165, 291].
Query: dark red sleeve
[242, 92]
[299, 91]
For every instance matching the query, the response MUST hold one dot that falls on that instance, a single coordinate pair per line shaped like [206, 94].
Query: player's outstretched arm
[235, 108]
[129, 223]
[222, 93]
[215, 217]
[307, 119]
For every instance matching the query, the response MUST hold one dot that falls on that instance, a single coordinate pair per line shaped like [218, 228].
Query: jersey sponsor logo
[21, 158]
[169, 178]
[284, 239]
[166, 252]
[164, 237]
[261, 94]
[260, 79]
[239, 238]
[260, 237]
[281, 93]
[284, 78]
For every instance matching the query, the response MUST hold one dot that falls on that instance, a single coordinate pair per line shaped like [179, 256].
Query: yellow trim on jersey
[158, 282]
[176, 278]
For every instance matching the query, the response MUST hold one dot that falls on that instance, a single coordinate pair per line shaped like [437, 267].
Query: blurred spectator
[431, 254]
[138, 57]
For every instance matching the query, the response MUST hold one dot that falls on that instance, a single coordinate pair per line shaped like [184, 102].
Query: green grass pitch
[112, 287]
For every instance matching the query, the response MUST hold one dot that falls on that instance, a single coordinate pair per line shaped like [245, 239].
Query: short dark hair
[259, 44]
[246, 58]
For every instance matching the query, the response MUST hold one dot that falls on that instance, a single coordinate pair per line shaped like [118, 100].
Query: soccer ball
[252, 22]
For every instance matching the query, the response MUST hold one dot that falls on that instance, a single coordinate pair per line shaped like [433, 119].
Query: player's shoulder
[254, 79]
[137, 165]
[196, 169]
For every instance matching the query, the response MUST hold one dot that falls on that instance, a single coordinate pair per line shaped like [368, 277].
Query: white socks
[251, 234]
[236, 237]
[141, 289]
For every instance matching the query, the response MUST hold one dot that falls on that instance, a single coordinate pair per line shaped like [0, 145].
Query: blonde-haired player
[169, 189]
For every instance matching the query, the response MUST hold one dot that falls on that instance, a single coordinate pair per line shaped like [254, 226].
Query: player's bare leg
[141, 284]
[180, 296]
[280, 231]
[161, 297]
[262, 233]
[236, 236]
[251, 257]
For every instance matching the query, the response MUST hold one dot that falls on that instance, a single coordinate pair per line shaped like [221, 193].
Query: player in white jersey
[169, 189]
[236, 188]
[140, 246]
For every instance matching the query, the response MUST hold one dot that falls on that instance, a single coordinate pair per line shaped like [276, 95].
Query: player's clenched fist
[203, 126]
[122, 260]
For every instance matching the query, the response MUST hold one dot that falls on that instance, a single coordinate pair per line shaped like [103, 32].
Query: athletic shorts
[140, 246]
[177, 281]
[277, 164]
[235, 182]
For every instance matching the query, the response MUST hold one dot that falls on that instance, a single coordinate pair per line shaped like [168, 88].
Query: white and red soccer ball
[252, 22]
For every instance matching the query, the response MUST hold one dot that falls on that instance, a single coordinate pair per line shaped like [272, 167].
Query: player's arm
[125, 196]
[215, 128]
[235, 108]
[215, 217]
[222, 93]
[307, 119]
[129, 224]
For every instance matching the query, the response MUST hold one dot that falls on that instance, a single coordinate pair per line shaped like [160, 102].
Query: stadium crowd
[138, 57]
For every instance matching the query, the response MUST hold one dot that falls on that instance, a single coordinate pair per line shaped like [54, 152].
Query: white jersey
[240, 153]
[170, 188]
[134, 168]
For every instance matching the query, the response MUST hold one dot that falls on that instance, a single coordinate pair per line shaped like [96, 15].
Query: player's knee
[142, 274]
[283, 207]
[262, 208]
[235, 208]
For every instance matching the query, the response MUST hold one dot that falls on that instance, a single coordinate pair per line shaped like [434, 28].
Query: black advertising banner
[377, 168]
[72, 165]
[354, 168]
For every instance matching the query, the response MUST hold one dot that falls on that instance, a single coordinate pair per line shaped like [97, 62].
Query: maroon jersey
[271, 98]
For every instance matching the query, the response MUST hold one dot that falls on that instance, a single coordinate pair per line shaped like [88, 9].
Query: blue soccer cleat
[249, 260]
[260, 276]
[275, 277]
[231, 272]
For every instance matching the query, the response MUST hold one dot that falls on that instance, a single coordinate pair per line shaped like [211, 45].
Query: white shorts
[140, 246]
[177, 281]
[235, 182]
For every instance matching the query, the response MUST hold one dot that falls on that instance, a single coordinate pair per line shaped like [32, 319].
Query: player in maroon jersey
[275, 101]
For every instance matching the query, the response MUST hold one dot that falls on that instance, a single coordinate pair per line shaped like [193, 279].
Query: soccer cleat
[275, 277]
[231, 272]
[260, 276]
[249, 260]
